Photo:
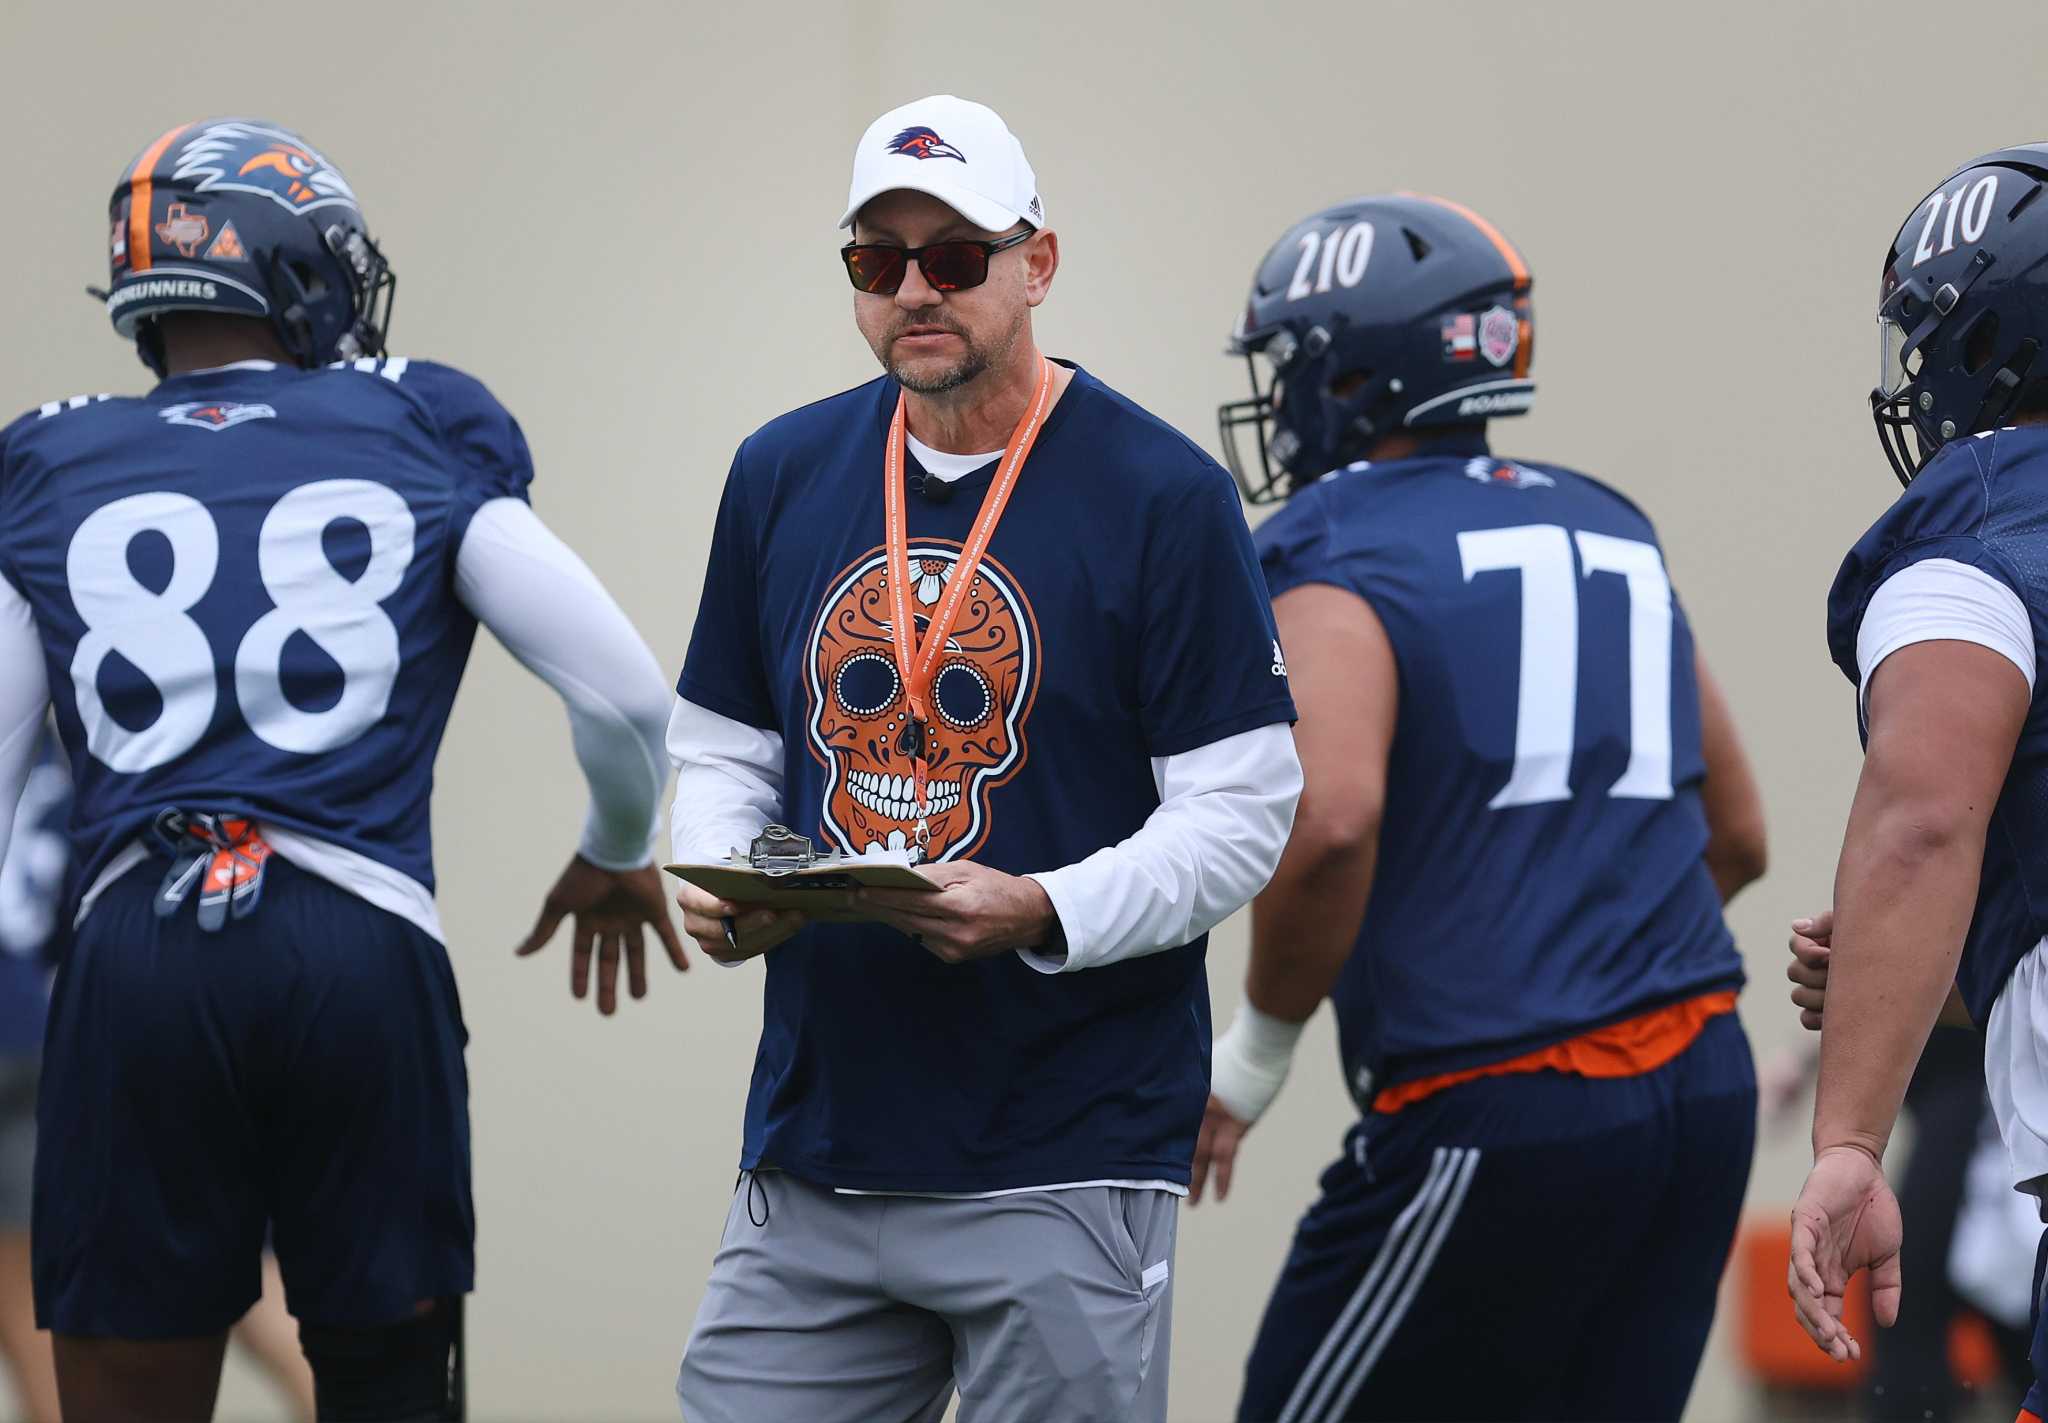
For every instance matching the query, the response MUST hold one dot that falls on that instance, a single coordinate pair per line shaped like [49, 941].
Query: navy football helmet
[1963, 309]
[244, 217]
[1384, 313]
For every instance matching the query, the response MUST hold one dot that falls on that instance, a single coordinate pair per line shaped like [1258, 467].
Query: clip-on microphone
[934, 489]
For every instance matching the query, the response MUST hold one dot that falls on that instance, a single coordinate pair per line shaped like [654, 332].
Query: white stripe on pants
[1375, 1310]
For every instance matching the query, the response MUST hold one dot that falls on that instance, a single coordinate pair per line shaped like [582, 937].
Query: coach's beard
[948, 378]
[939, 383]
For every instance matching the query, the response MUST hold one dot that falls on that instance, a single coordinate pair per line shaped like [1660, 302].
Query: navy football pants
[301, 1069]
[1537, 1246]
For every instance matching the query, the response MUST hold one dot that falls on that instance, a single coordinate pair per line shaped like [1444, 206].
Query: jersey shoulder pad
[1951, 497]
[1305, 513]
[51, 410]
[1307, 540]
[436, 386]
[1941, 514]
[47, 411]
[2009, 464]
[486, 443]
[1600, 489]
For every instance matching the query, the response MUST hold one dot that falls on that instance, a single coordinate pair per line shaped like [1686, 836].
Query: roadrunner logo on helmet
[1400, 311]
[1962, 310]
[244, 217]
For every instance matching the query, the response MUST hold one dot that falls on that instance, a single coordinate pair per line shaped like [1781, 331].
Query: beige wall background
[620, 216]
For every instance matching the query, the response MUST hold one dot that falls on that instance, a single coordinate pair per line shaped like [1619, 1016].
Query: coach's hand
[613, 909]
[1847, 1219]
[729, 933]
[1216, 1149]
[1812, 946]
[975, 913]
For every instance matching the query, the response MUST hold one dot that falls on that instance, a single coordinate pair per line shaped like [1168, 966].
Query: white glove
[1250, 1062]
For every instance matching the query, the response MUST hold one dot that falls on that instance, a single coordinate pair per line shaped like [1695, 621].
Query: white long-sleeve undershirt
[24, 701]
[1224, 813]
[548, 609]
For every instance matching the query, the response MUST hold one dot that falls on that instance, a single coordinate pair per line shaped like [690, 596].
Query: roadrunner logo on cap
[920, 142]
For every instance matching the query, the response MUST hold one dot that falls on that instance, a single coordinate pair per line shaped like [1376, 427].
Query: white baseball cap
[960, 152]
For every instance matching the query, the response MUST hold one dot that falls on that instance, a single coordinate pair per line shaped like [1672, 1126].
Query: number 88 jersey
[244, 586]
[1540, 868]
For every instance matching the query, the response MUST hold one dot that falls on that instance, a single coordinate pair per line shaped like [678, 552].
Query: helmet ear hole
[310, 280]
[2028, 385]
[1345, 386]
[1418, 245]
[1980, 343]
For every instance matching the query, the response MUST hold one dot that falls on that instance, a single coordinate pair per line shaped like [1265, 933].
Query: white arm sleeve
[24, 701]
[1224, 813]
[728, 782]
[1943, 600]
[548, 609]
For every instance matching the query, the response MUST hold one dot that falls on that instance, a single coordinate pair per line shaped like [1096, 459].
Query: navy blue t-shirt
[1540, 869]
[31, 902]
[244, 583]
[1118, 617]
[1982, 502]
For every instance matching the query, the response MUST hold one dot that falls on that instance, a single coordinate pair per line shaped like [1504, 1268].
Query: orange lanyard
[917, 662]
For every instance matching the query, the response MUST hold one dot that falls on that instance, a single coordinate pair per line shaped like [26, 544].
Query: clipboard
[782, 870]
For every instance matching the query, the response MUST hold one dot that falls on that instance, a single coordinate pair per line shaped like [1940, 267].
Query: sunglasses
[878, 268]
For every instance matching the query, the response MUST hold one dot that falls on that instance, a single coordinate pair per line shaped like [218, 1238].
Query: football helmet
[1962, 310]
[244, 217]
[1388, 312]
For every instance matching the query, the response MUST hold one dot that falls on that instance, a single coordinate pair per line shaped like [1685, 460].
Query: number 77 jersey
[244, 584]
[1540, 868]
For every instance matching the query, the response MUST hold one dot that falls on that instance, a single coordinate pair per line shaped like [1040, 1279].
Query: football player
[1524, 806]
[31, 882]
[250, 595]
[1939, 616]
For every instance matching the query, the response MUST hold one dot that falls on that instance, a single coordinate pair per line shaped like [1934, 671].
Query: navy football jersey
[1981, 502]
[1118, 617]
[31, 898]
[244, 584]
[1540, 869]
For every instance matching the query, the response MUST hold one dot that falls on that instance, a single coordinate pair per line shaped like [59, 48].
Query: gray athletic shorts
[18, 1079]
[873, 1309]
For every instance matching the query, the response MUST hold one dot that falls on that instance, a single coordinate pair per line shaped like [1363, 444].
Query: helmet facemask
[1940, 374]
[298, 288]
[1260, 485]
[1307, 419]
[373, 285]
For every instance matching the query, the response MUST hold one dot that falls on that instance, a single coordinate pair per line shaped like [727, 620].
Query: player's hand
[727, 932]
[1216, 1150]
[1846, 1220]
[975, 913]
[1812, 946]
[613, 910]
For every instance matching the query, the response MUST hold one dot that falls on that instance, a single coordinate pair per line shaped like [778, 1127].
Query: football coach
[986, 612]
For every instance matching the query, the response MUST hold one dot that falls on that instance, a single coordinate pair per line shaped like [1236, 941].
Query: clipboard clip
[778, 850]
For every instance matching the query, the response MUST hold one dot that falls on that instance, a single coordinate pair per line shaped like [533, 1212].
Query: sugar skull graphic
[860, 720]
